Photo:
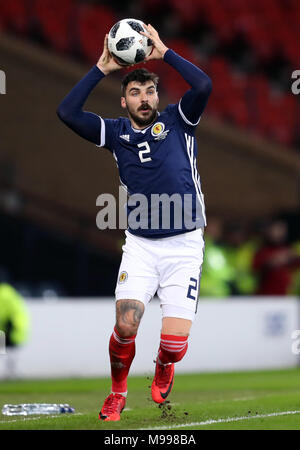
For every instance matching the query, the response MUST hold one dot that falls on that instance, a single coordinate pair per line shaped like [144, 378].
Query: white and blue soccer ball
[126, 44]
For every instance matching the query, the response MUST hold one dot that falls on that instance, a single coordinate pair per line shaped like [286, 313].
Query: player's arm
[194, 101]
[70, 111]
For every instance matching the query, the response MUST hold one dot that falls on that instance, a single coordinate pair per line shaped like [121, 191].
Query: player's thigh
[180, 278]
[138, 277]
[180, 301]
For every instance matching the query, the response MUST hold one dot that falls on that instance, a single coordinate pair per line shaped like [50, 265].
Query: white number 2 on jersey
[142, 152]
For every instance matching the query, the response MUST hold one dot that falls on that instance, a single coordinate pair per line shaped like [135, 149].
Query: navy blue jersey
[158, 160]
[158, 163]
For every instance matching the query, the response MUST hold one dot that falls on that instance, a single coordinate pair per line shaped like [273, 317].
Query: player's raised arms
[88, 124]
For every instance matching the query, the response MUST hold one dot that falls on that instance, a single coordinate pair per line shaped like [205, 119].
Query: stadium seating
[265, 31]
[93, 23]
[269, 28]
[173, 84]
[276, 112]
[15, 16]
[55, 18]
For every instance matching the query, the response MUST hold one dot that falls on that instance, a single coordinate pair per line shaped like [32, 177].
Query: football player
[156, 155]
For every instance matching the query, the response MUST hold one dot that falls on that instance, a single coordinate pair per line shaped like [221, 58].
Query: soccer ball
[126, 44]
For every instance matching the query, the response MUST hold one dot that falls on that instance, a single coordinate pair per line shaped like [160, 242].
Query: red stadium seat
[240, 109]
[187, 12]
[261, 103]
[173, 83]
[152, 6]
[93, 23]
[275, 113]
[219, 72]
[256, 35]
[285, 106]
[15, 15]
[219, 18]
[229, 99]
[54, 18]
[3, 18]
[183, 48]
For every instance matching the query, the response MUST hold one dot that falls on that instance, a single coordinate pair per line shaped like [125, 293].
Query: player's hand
[106, 62]
[159, 48]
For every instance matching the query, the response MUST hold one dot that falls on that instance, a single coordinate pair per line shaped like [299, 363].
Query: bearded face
[141, 102]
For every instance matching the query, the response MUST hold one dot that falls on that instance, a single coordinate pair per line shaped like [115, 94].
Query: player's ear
[123, 102]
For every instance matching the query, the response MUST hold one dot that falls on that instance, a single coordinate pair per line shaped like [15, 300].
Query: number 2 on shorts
[192, 287]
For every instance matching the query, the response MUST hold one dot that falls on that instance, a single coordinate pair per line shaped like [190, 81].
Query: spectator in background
[275, 260]
[14, 322]
[240, 251]
[217, 274]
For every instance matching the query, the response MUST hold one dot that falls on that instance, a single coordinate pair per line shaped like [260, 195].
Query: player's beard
[143, 122]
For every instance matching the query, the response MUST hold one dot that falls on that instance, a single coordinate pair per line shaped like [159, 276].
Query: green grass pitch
[268, 400]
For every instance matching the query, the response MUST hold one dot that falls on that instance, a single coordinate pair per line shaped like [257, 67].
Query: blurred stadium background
[249, 162]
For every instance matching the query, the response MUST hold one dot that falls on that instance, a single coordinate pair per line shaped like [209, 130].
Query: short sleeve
[175, 111]
[184, 118]
[108, 131]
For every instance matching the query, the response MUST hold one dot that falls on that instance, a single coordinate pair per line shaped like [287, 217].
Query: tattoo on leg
[130, 312]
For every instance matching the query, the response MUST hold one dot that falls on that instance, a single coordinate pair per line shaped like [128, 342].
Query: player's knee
[128, 317]
[126, 330]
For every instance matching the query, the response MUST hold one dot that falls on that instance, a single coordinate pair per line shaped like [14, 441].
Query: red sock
[121, 352]
[172, 348]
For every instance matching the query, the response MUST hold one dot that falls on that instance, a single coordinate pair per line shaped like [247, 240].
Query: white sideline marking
[227, 420]
[41, 416]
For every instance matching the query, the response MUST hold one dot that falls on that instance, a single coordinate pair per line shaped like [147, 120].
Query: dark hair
[140, 75]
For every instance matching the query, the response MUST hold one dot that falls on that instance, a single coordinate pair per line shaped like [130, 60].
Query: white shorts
[170, 267]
